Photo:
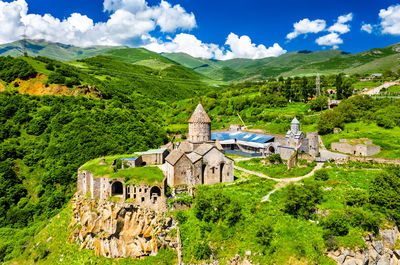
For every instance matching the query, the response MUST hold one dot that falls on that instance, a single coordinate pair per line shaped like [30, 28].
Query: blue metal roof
[129, 158]
[244, 136]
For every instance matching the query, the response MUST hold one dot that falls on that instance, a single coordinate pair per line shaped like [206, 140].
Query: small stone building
[154, 156]
[131, 162]
[356, 147]
[296, 141]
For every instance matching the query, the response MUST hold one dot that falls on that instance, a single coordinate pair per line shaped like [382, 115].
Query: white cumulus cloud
[367, 28]
[305, 26]
[237, 47]
[185, 43]
[128, 20]
[331, 39]
[390, 20]
[340, 26]
[242, 47]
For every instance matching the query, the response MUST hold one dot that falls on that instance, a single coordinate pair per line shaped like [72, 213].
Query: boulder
[389, 237]
[384, 260]
[378, 246]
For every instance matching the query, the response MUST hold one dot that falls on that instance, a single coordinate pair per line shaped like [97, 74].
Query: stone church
[296, 141]
[199, 160]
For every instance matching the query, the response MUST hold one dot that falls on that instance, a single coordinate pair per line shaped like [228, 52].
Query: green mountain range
[290, 64]
[58, 51]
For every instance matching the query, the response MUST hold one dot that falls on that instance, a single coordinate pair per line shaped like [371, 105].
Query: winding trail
[281, 182]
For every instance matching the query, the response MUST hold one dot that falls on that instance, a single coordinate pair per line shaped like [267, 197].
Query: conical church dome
[199, 115]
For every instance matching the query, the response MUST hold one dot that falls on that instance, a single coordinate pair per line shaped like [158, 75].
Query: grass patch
[387, 139]
[292, 239]
[138, 175]
[395, 88]
[103, 170]
[276, 170]
[141, 175]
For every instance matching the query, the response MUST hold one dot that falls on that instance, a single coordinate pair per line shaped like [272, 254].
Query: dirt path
[286, 182]
[281, 182]
[377, 90]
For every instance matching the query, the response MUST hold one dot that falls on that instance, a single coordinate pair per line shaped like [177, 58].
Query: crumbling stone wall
[357, 150]
[286, 152]
[313, 143]
[140, 195]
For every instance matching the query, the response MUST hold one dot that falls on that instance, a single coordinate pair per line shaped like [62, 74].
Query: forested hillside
[55, 116]
[44, 139]
[294, 63]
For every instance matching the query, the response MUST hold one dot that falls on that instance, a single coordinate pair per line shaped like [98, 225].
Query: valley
[65, 110]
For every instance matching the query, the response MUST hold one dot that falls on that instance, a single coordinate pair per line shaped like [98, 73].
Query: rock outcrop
[118, 230]
[380, 250]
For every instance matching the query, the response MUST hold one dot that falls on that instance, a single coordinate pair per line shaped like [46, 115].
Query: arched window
[117, 188]
[271, 150]
[155, 192]
[221, 172]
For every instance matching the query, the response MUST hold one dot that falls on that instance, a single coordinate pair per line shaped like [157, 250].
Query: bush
[368, 221]
[275, 158]
[384, 191]
[72, 82]
[385, 122]
[211, 206]
[337, 224]
[50, 66]
[118, 164]
[182, 217]
[319, 103]
[13, 68]
[301, 199]
[56, 78]
[234, 213]
[321, 175]
[201, 251]
[356, 197]
[36, 126]
[264, 234]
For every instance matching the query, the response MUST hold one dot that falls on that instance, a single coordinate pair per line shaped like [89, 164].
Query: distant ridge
[54, 50]
[296, 63]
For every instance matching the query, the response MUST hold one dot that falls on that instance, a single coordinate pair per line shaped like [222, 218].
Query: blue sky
[219, 29]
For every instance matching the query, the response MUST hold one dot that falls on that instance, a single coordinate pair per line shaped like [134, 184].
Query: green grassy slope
[210, 68]
[290, 64]
[167, 83]
[52, 50]
[239, 69]
[371, 61]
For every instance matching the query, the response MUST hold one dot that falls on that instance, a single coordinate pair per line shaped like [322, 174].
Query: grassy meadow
[387, 139]
[277, 170]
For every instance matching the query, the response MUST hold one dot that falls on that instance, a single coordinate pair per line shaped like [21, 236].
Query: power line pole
[318, 86]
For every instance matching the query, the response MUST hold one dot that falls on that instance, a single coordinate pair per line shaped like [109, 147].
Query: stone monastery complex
[199, 160]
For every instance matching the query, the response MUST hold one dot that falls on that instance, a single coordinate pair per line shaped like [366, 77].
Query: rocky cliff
[118, 229]
[380, 250]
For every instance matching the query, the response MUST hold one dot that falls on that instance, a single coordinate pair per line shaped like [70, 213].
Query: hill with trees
[291, 64]
[141, 100]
